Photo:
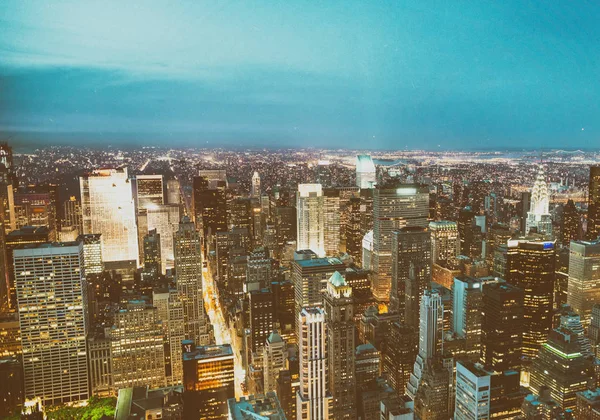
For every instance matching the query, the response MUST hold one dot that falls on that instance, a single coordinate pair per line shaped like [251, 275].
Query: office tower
[594, 329]
[10, 335]
[431, 398]
[366, 365]
[285, 313]
[262, 318]
[483, 394]
[395, 206]
[72, 214]
[313, 400]
[570, 229]
[274, 360]
[339, 317]
[310, 214]
[531, 267]
[108, 209]
[310, 281]
[11, 385]
[150, 191]
[261, 270]
[570, 320]
[6, 157]
[53, 329]
[92, 253]
[214, 177]
[366, 209]
[588, 404]
[430, 337]
[209, 205]
[37, 205]
[208, 380]
[100, 365]
[367, 251]
[256, 407]
[152, 255]
[164, 218]
[399, 355]
[467, 313]
[366, 175]
[524, 205]
[445, 243]
[496, 237]
[286, 394]
[170, 312]
[561, 366]
[353, 233]
[593, 223]
[285, 224]
[584, 278]
[331, 221]
[173, 191]
[465, 230]
[538, 217]
[137, 350]
[255, 191]
[411, 271]
[188, 272]
[502, 326]
[27, 235]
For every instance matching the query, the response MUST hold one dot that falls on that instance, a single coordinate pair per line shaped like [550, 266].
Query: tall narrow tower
[188, 272]
[255, 193]
[311, 218]
[538, 216]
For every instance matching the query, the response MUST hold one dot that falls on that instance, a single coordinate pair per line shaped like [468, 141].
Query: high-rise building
[150, 191]
[170, 312]
[584, 278]
[209, 205]
[256, 191]
[531, 267]
[365, 172]
[367, 365]
[570, 228]
[339, 317]
[445, 243]
[92, 253]
[257, 407]
[561, 366]
[411, 271]
[353, 233]
[310, 281]
[570, 320]
[108, 209]
[593, 222]
[286, 393]
[37, 205]
[430, 337]
[331, 221]
[399, 355]
[395, 206]
[137, 348]
[467, 313]
[285, 313]
[538, 217]
[313, 400]
[310, 212]
[262, 318]
[208, 380]
[164, 218]
[431, 398]
[152, 257]
[51, 296]
[502, 326]
[274, 360]
[483, 394]
[72, 214]
[188, 272]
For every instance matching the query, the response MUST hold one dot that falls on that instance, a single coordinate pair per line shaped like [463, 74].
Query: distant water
[385, 162]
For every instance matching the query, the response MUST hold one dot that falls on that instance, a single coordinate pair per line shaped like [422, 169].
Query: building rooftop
[260, 407]
[319, 262]
[207, 352]
[30, 230]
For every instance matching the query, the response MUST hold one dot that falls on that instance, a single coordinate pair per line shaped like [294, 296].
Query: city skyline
[398, 76]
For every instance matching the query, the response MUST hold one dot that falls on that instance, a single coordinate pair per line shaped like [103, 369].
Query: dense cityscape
[299, 284]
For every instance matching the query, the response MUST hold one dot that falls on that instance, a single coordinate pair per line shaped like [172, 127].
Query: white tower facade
[310, 207]
[365, 172]
[313, 400]
[108, 208]
[539, 210]
[255, 193]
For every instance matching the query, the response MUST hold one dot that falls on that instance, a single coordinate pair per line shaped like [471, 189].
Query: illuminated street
[223, 333]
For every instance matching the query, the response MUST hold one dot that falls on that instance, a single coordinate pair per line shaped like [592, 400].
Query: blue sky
[379, 74]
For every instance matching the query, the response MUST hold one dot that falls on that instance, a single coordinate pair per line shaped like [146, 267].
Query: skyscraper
[411, 271]
[164, 218]
[593, 223]
[150, 191]
[399, 355]
[331, 221]
[188, 272]
[531, 267]
[395, 206]
[502, 326]
[340, 344]
[92, 253]
[262, 318]
[170, 312]
[365, 172]
[51, 296]
[313, 400]
[274, 360]
[467, 313]
[538, 216]
[108, 209]
[584, 278]
[430, 337]
[445, 243]
[310, 214]
[255, 193]
[209, 205]
[570, 224]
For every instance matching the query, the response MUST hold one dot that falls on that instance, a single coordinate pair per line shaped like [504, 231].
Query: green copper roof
[274, 337]
[337, 280]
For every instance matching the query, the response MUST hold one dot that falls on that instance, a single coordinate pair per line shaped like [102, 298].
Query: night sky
[359, 74]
